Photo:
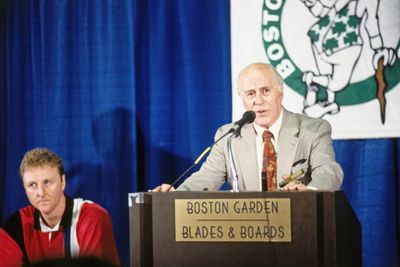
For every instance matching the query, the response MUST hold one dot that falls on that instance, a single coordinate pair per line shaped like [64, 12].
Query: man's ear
[64, 181]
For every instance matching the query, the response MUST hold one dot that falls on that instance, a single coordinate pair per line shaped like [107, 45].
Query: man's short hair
[264, 67]
[39, 157]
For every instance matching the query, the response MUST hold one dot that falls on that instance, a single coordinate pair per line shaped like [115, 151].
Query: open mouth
[261, 112]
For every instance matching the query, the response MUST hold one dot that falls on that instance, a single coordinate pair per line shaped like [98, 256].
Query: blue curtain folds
[126, 92]
[183, 88]
[371, 184]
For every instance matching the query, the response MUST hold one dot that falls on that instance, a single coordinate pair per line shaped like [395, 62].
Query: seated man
[278, 145]
[54, 225]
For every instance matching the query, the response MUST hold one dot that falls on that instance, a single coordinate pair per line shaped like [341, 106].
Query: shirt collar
[65, 219]
[46, 229]
[274, 129]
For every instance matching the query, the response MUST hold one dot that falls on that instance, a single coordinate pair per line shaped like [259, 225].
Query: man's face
[262, 94]
[45, 189]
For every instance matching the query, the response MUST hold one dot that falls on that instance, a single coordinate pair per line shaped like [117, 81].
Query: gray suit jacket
[301, 139]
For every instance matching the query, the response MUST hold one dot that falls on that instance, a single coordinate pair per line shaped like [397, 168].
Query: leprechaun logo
[335, 53]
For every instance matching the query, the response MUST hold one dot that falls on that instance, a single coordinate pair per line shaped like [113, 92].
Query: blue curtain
[183, 90]
[126, 92]
[372, 185]
[130, 92]
[68, 86]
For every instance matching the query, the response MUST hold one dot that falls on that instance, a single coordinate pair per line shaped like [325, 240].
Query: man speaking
[280, 150]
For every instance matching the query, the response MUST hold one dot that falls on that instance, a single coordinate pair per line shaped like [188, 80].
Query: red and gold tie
[269, 161]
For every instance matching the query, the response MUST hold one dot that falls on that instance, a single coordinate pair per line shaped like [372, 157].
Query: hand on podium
[296, 185]
[163, 188]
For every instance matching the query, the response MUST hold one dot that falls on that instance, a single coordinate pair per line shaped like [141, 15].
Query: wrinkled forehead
[255, 78]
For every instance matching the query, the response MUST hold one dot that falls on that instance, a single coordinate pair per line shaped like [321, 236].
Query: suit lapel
[288, 141]
[246, 158]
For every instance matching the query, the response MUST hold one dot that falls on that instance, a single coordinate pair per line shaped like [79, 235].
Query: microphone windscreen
[249, 116]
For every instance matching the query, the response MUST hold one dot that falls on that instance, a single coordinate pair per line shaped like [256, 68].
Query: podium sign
[233, 220]
[311, 228]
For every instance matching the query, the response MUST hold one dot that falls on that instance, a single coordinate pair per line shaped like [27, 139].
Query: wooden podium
[323, 231]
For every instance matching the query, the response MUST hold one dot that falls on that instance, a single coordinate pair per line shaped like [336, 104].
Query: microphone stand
[234, 178]
[199, 159]
[248, 117]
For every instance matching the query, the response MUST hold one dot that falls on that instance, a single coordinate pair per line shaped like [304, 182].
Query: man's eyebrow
[256, 89]
[248, 89]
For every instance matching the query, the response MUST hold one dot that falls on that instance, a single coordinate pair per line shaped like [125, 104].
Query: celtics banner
[339, 59]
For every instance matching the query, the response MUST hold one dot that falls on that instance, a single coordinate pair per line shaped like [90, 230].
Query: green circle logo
[333, 56]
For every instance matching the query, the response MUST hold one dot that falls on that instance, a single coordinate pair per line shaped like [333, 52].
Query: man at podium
[280, 150]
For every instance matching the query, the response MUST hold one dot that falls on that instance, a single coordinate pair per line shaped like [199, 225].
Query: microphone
[248, 117]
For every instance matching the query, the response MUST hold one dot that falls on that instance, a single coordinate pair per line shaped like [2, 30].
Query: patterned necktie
[269, 162]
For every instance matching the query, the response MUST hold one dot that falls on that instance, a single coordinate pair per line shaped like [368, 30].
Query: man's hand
[163, 188]
[388, 55]
[296, 186]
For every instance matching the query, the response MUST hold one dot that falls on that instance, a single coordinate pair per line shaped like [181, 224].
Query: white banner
[339, 59]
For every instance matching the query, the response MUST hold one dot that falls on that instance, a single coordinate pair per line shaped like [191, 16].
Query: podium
[322, 230]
